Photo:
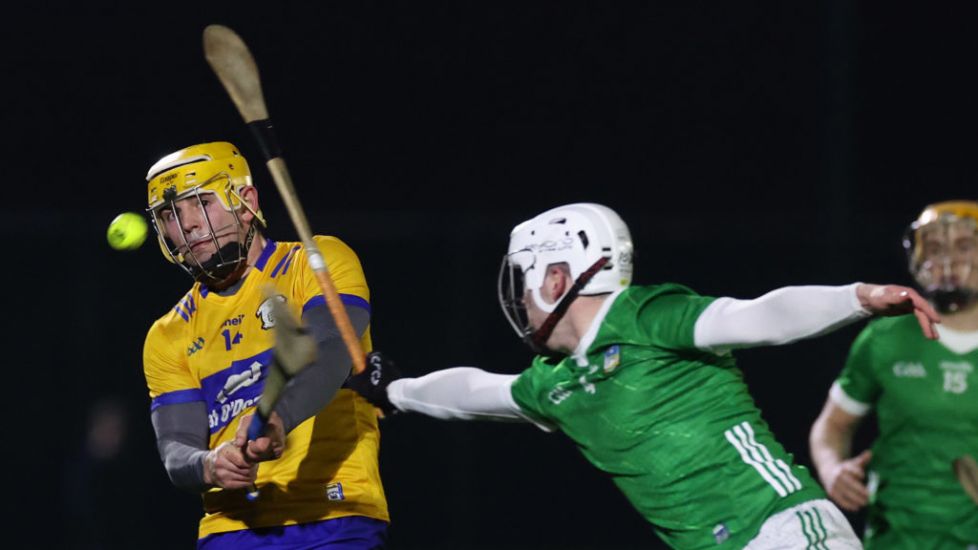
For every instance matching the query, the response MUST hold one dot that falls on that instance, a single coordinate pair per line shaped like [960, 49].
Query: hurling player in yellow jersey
[207, 359]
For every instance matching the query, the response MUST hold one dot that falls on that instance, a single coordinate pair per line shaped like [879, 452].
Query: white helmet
[591, 239]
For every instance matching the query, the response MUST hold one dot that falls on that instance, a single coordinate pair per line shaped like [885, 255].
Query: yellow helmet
[955, 209]
[942, 252]
[217, 168]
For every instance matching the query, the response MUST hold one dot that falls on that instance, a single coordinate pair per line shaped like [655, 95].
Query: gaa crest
[265, 314]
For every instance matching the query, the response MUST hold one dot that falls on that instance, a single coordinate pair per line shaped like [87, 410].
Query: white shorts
[815, 525]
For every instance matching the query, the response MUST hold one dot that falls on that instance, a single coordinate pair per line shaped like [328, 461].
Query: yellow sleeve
[346, 274]
[166, 369]
[344, 269]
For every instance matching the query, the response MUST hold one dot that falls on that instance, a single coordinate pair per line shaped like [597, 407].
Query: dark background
[749, 145]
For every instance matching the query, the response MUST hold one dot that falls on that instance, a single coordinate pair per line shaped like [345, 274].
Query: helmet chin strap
[537, 340]
[223, 264]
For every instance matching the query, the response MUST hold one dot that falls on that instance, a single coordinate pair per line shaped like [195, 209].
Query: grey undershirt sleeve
[181, 437]
[314, 387]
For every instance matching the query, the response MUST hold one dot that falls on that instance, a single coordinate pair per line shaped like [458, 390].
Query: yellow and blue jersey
[216, 349]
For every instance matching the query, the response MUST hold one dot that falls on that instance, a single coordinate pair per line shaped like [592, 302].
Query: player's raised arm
[793, 313]
[460, 393]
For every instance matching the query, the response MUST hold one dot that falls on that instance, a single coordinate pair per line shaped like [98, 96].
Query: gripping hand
[373, 381]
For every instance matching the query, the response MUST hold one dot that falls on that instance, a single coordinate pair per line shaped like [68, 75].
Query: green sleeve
[858, 379]
[668, 320]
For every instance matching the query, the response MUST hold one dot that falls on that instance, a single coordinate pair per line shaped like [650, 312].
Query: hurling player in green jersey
[925, 394]
[642, 380]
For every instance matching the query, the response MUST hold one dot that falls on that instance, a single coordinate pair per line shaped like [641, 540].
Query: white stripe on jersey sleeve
[852, 406]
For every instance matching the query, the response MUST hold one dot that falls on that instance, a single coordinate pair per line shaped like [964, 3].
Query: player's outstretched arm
[372, 383]
[460, 393]
[796, 312]
[830, 444]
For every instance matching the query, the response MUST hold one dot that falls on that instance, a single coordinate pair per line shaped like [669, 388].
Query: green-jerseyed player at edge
[642, 380]
[925, 394]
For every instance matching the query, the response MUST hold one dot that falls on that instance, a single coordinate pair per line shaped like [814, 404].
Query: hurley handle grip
[257, 427]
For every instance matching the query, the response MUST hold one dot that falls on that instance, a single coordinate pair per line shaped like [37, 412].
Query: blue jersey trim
[286, 258]
[176, 398]
[186, 308]
[289, 263]
[347, 299]
[265, 254]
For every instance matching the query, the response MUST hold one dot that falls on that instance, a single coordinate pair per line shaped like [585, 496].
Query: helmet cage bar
[225, 259]
[511, 289]
[222, 180]
[512, 293]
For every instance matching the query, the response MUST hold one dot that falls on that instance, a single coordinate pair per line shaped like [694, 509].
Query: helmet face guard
[210, 171]
[511, 292]
[513, 300]
[590, 240]
[226, 259]
[942, 254]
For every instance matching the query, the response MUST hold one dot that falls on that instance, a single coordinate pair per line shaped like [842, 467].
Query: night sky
[748, 145]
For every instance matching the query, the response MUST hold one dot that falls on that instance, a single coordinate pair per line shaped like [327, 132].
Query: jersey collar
[265, 254]
[958, 341]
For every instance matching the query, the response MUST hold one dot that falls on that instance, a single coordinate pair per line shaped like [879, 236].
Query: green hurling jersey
[926, 400]
[672, 425]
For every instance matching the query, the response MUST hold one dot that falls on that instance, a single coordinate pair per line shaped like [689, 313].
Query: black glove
[373, 381]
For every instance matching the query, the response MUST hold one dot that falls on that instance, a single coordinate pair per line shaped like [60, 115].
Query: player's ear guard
[373, 381]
